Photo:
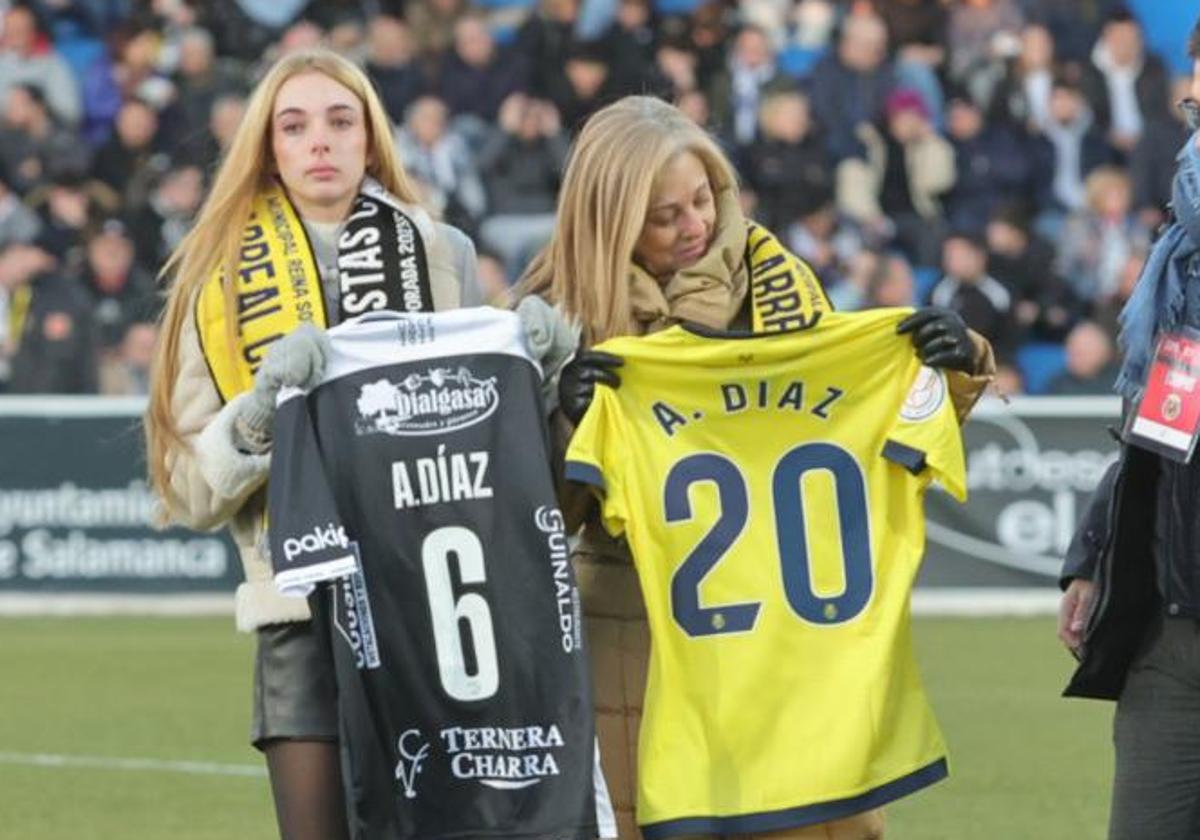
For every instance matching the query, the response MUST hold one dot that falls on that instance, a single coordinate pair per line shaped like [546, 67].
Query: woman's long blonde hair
[603, 204]
[246, 169]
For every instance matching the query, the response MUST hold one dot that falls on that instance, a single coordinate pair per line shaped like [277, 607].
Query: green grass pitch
[1024, 762]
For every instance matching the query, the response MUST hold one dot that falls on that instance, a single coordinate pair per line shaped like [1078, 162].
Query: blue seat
[798, 62]
[676, 7]
[924, 279]
[1039, 362]
[505, 4]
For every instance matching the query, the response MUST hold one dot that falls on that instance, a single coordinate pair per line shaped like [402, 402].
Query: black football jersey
[412, 488]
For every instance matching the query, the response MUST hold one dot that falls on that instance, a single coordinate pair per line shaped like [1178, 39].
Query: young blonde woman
[649, 234]
[275, 256]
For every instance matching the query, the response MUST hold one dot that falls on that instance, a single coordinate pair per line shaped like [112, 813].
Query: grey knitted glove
[296, 361]
[551, 340]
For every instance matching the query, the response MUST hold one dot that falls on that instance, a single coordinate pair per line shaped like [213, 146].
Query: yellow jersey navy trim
[705, 331]
[909, 457]
[819, 812]
[583, 473]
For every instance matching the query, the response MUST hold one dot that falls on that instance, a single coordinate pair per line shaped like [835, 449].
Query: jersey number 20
[790, 532]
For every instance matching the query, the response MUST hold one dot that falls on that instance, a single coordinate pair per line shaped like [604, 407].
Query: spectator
[824, 242]
[966, 287]
[788, 166]
[850, 87]
[301, 35]
[916, 29]
[1125, 85]
[27, 58]
[1075, 25]
[141, 71]
[1023, 96]
[246, 28]
[735, 95]
[813, 22]
[475, 76]
[494, 281]
[545, 40]
[125, 163]
[676, 68]
[345, 33]
[892, 284]
[432, 23]
[632, 40]
[162, 222]
[435, 154]
[71, 207]
[1045, 307]
[125, 372]
[31, 140]
[893, 189]
[1091, 363]
[994, 165]
[1098, 239]
[1077, 146]
[984, 35]
[853, 286]
[122, 291]
[694, 105]
[391, 66]
[522, 166]
[1107, 312]
[17, 222]
[590, 84]
[199, 81]
[53, 348]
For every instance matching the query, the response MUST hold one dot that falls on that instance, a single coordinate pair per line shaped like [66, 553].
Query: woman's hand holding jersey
[577, 384]
[940, 338]
[297, 361]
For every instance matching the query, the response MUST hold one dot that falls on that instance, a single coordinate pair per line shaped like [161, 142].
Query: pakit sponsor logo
[318, 539]
[440, 400]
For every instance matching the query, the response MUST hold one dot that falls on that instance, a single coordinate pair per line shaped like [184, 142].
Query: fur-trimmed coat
[215, 484]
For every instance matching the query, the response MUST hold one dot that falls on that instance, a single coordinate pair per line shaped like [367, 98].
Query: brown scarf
[710, 292]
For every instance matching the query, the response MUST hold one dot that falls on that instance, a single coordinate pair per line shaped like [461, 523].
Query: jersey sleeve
[926, 438]
[594, 458]
[307, 540]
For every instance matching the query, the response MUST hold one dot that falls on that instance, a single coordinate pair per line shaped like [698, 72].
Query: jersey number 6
[790, 533]
[451, 617]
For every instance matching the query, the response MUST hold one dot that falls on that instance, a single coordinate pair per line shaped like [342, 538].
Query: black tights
[307, 785]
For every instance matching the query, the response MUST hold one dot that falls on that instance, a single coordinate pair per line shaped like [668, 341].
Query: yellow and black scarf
[382, 264]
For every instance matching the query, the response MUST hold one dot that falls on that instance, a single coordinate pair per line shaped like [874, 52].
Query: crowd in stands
[1010, 159]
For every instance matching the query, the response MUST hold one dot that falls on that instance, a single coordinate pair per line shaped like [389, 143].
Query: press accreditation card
[1167, 418]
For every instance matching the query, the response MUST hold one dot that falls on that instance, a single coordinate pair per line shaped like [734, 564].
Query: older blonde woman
[254, 283]
[650, 233]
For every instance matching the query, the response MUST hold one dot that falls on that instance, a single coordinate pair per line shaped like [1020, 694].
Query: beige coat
[215, 484]
[930, 166]
[618, 635]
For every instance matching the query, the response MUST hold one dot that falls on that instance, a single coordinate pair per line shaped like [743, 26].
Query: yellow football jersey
[770, 488]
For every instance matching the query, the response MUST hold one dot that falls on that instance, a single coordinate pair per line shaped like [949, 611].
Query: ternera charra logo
[437, 401]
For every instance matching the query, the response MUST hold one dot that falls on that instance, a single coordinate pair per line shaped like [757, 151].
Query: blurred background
[1010, 159]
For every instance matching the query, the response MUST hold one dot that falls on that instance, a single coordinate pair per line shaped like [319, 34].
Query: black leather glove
[577, 383]
[940, 337]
